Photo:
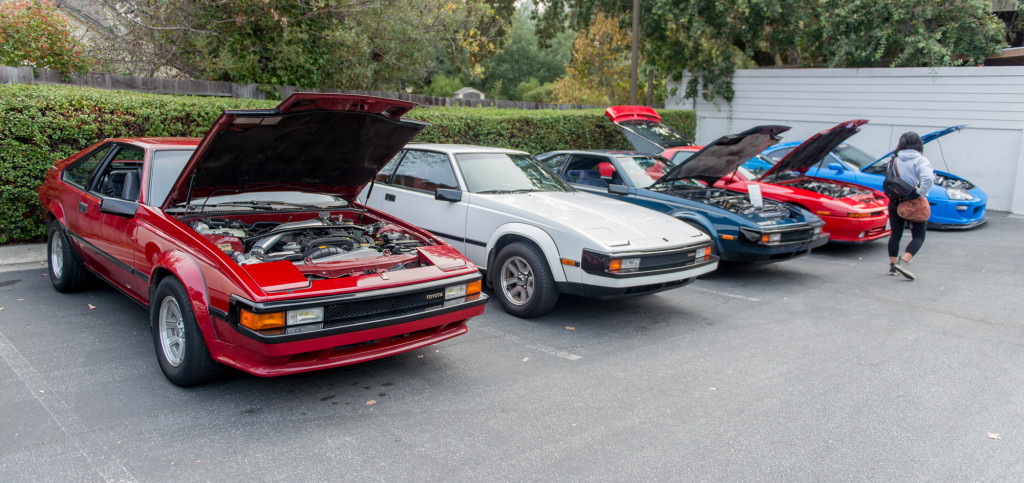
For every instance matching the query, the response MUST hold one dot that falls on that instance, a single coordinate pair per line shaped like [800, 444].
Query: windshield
[507, 173]
[657, 133]
[853, 156]
[645, 170]
[165, 168]
[757, 166]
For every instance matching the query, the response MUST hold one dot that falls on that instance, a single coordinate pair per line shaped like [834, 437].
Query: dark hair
[910, 140]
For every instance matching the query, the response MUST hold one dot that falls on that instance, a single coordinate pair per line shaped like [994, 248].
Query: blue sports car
[956, 203]
[743, 229]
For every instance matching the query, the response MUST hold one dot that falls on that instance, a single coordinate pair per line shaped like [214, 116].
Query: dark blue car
[743, 230]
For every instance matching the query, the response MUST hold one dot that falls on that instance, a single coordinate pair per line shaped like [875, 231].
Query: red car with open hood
[248, 245]
[852, 213]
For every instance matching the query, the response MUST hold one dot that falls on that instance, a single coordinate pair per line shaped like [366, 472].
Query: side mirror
[119, 207]
[445, 194]
[618, 189]
[836, 167]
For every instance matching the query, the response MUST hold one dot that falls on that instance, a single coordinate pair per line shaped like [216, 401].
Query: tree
[523, 58]
[353, 44]
[712, 39]
[443, 86]
[599, 67]
[33, 34]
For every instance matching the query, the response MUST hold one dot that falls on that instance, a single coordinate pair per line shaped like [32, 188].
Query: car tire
[522, 281]
[180, 348]
[67, 273]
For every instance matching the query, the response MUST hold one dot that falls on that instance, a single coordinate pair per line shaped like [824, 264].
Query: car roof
[461, 148]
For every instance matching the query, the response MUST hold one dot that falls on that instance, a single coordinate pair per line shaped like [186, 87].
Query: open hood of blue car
[927, 138]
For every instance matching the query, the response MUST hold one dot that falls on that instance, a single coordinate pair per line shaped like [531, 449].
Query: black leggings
[917, 230]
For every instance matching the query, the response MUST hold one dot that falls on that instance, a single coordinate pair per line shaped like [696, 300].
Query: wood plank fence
[154, 85]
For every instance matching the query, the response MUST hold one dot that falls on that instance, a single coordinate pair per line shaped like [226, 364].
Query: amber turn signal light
[473, 287]
[273, 320]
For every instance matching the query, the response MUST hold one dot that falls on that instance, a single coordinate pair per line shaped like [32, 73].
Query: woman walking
[915, 169]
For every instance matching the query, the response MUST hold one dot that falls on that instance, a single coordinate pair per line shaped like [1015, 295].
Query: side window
[129, 153]
[385, 173]
[425, 171]
[121, 177]
[78, 173]
[589, 170]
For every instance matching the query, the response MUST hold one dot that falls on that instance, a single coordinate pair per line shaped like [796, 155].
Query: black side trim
[123, 266]
[461, 239]
[277, 336]
[217, 313]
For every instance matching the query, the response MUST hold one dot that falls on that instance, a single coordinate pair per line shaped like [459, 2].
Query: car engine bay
[830, 189]
[355, 246]
[735, 202]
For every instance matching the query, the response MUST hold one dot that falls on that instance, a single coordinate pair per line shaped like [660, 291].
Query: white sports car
[533, 234]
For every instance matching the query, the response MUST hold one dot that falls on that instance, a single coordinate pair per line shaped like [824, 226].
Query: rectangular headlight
[630, 265]
[455, 291]
[771, 237]
[304, 316]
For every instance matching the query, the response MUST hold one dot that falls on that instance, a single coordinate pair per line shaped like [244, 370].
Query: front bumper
[950, 214]
[747, 252]
[856, 230]
[358, 335]
[628, 285]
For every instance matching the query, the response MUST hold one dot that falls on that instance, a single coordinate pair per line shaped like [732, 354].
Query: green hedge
[41, 124]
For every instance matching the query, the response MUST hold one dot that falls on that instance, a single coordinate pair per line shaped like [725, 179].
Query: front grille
[340, 315]
[797, 235]
[878, 230]
[667, 260]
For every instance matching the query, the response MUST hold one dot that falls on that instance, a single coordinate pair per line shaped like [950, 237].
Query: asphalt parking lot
[820, 368]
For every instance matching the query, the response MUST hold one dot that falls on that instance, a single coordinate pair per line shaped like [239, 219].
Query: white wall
[990, 100]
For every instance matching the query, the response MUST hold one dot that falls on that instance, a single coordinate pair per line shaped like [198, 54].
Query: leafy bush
[33, 33]
[40, 124]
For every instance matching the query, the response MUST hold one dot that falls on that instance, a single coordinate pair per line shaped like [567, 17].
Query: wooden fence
[153, 85]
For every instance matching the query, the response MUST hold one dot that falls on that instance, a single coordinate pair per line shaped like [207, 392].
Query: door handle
[82, 207]
[389, 197]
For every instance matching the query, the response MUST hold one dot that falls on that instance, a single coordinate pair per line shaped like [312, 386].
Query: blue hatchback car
[956, 203]
[743, 230]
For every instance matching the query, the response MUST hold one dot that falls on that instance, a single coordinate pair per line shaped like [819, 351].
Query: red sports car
[852, 213]
[248, 246]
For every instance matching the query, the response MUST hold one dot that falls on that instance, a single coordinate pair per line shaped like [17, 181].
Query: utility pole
[633, 60]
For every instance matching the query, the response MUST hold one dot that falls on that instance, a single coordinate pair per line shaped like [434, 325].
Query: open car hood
[325, 143]
[644, 130]
[723, 155]
[927, 138]
[814, 149]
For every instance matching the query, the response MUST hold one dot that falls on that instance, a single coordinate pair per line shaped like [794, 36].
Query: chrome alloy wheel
[517, 280]
[172, 331]
[57, 255]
